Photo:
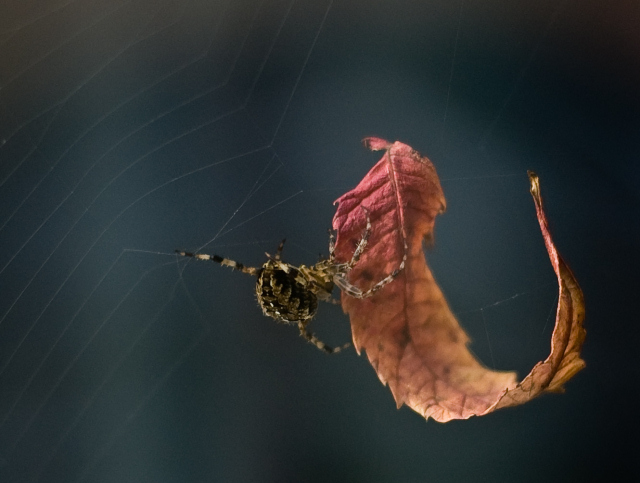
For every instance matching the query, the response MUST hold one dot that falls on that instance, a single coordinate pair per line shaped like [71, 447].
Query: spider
[290, 294]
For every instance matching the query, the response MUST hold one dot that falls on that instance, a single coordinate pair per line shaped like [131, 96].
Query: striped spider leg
[340, 277]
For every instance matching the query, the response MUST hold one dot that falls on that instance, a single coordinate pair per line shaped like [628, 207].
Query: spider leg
[222, 261]
[279, 250]
[332, 245]
[350, 289]
[362, 244]
[317, 342]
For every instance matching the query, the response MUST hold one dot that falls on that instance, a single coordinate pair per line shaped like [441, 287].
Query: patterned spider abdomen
[282, 297]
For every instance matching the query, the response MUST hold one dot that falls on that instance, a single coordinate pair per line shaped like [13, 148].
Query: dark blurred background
[131, 128]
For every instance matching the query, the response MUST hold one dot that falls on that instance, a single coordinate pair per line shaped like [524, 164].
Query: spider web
[132, 128]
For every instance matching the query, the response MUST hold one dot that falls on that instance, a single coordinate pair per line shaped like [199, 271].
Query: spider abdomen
[282, 297]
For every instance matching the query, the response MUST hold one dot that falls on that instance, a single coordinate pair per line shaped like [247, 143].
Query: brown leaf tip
[376, 144]
[534, 184]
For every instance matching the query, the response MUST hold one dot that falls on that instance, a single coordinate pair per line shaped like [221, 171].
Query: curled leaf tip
[376, 144]
[534, 184]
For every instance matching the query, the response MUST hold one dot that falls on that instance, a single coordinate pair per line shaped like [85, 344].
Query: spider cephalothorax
[290, 294]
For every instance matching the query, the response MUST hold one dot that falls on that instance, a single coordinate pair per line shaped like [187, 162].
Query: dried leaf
[412, 339]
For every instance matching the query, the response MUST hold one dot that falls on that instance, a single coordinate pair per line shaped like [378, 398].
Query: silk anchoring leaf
[407, 329]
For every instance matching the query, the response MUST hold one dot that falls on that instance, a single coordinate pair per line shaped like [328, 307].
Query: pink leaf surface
[411, 337]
